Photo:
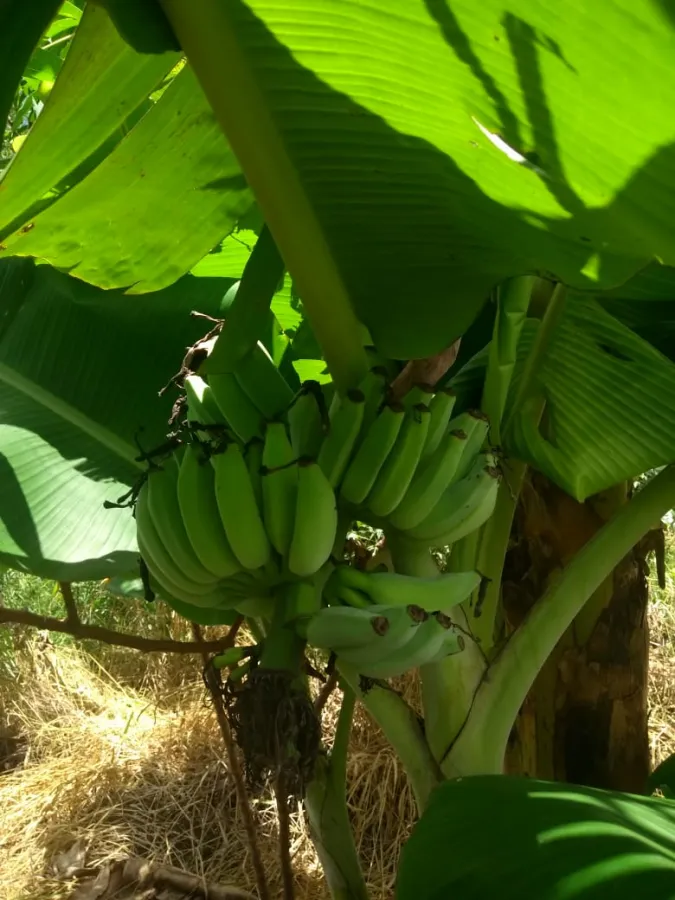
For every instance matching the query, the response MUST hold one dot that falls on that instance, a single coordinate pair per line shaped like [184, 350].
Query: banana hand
[391, 589]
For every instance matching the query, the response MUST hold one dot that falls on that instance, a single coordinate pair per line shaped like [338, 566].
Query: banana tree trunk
[585, 720]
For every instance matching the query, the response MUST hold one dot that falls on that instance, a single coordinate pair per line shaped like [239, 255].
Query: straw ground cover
[119, 750]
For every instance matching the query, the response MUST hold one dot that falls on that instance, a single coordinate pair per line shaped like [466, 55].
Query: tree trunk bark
[585, 720]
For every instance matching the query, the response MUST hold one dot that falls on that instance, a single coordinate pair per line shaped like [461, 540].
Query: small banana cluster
[391, 623]
[385, 641]
[409, 464]
[235, 512]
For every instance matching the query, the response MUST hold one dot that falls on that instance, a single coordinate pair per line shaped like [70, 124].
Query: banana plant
[345, 216]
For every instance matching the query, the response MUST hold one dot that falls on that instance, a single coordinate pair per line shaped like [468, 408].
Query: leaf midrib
[68, 413]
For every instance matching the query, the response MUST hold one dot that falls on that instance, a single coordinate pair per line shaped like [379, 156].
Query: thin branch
[72, 617]
[284, 836]
[325, 692]
[82, 631]
[237, 775]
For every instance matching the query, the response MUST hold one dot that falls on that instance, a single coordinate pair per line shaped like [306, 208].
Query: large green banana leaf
[80, 375]
[502, 838]
[609, 398]
[95, 93]
[155, 205]
[441, 146]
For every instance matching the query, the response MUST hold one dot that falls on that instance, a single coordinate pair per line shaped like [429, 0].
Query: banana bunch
[409, 464]
[221, 523]
[249, 501]
[384, 641]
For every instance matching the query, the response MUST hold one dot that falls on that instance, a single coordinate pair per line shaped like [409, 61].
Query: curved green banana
[441, 408]
[372, 453]
[344, 627]
[420, 394]
[391, 589]
[162, 568]
[198, 507]
[346, 416]
[374, 389]
[432, 477]
[240, 413]
[279, 487]
[253, 456]
[263, 383]
[429, 639]
[404, 622]
[316, 520]
[306, 417]
[396, 474]
[463, 507]
[238, 508]
[166, 516]
[454, 643]
[476, 438]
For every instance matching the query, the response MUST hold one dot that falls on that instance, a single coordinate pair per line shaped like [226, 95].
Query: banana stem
[513, 300]
[210, 34]
[283, 648]
[492, 555]
[326, 805]
[448, 686]
[403, 731]
[545, 332]
[481, 746]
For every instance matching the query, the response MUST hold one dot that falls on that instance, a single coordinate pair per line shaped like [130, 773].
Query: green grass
[96, 606]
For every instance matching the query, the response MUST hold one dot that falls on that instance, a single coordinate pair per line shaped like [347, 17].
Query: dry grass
[133, 764]
[141, 772]
[662, 661]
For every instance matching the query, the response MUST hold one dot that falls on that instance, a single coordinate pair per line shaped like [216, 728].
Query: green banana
[420, 394]
[238, 508]
[391, 589]
[404, 623]
[306, 417]
[432, 477]
[372, 453]
[426, 643]
[239, 412]
[396, 474]
[441, 408]
[374, 389]
[161, 567]
[346, 416]
[201, 404]
[263, 383]
[253, 455]
[279, 487]
[342, 628]
[316, 520]
[166, 515]
[463, 507]
[194, 387]
[335, 593]
[475, 440]
[454, 642]
[199, 511]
